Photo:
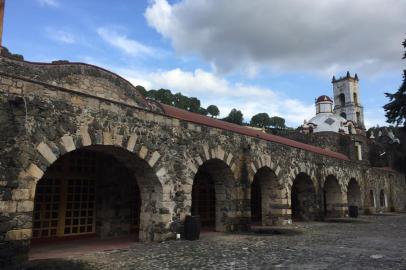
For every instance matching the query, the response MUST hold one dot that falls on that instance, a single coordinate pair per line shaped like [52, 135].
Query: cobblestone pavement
[370, 242]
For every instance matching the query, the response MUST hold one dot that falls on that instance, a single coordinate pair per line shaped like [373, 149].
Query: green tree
[277, 122]
[395, 110]
[213, 110]
[235, 116]
[162, 95]
[142, 90]
[261, 120]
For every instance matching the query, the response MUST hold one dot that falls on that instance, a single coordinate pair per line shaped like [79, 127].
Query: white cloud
[61, 36]
[51, 3]
[128, 46]
[211, 89]
[313, 36]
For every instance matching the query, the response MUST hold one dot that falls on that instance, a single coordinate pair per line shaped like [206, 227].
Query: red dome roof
[323, 98]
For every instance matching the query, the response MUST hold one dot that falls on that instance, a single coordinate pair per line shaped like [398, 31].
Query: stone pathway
[371, 242]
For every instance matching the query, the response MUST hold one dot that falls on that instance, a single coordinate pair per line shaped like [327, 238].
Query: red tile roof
[211, 122]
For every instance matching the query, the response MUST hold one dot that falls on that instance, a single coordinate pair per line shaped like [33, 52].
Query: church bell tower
[347, 99]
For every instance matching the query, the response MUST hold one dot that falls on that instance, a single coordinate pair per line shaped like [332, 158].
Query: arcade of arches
[333, 198]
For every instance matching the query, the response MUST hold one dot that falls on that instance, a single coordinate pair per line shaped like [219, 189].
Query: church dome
[323, 98]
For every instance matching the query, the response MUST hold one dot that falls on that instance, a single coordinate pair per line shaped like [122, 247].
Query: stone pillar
[2, 3]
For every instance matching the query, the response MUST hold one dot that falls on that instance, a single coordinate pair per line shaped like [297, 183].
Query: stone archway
[98, 190]
[303, 199]
[212, 190]
[333, 198]
[264, 197]
[354, 193]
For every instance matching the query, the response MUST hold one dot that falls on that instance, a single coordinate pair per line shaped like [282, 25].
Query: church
[346, 116]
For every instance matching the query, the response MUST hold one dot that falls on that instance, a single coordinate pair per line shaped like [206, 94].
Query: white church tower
[347, 99]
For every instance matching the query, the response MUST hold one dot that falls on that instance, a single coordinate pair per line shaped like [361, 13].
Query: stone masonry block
[25, 206]
[46, 152]
[131, 142]
[20, 194]
[15, 235]
[8, 207]
[68, 144]
[143, 152]
[154, 158]
[84, 134]
[34, 171]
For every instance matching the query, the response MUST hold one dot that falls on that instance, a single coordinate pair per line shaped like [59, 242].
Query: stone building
[83, 153]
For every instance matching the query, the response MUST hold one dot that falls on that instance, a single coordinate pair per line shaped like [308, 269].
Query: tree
[162, 95]
[261, 120]
[235, 116]
[213, 110]
[395, 110]
[142, 90]
[277, 122]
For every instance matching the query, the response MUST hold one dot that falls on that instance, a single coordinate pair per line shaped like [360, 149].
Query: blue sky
[257, 56]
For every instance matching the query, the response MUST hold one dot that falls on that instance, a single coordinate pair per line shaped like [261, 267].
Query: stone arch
[214, 195]
[266, 198]
[150, 188]
[153, 227]
[333, 198]
[303, 198]
[354, 193]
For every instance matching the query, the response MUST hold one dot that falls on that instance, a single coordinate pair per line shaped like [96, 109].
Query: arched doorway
[99, 191]
[333, 199]
[264, 189]
[354, 193]
[303, 199]
[86, 192]
[382, 199]
[211, 195]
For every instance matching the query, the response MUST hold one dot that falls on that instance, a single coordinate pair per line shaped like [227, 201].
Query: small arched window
[359, 118]
[355, 97]
[343, 115]
[342, 99]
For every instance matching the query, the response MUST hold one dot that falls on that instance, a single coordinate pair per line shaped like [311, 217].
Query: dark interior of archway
[256, 202]
[85, 193]
[353, 193]
[332, 197]
[382, 199]
[204, 199]
[303, 199]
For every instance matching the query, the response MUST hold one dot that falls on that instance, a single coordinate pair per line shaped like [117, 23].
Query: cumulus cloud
[294, 35]
[51, 3]
[122, 42]
[211, 89]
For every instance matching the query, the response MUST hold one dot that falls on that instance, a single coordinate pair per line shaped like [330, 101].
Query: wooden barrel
[353, 211]
[192, 227]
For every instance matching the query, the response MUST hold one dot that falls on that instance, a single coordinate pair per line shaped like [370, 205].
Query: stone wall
[42, 122]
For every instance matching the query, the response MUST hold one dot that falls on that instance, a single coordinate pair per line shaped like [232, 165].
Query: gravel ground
[370, 242]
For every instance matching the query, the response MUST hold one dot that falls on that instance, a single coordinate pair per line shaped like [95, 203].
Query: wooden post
[2, 2]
